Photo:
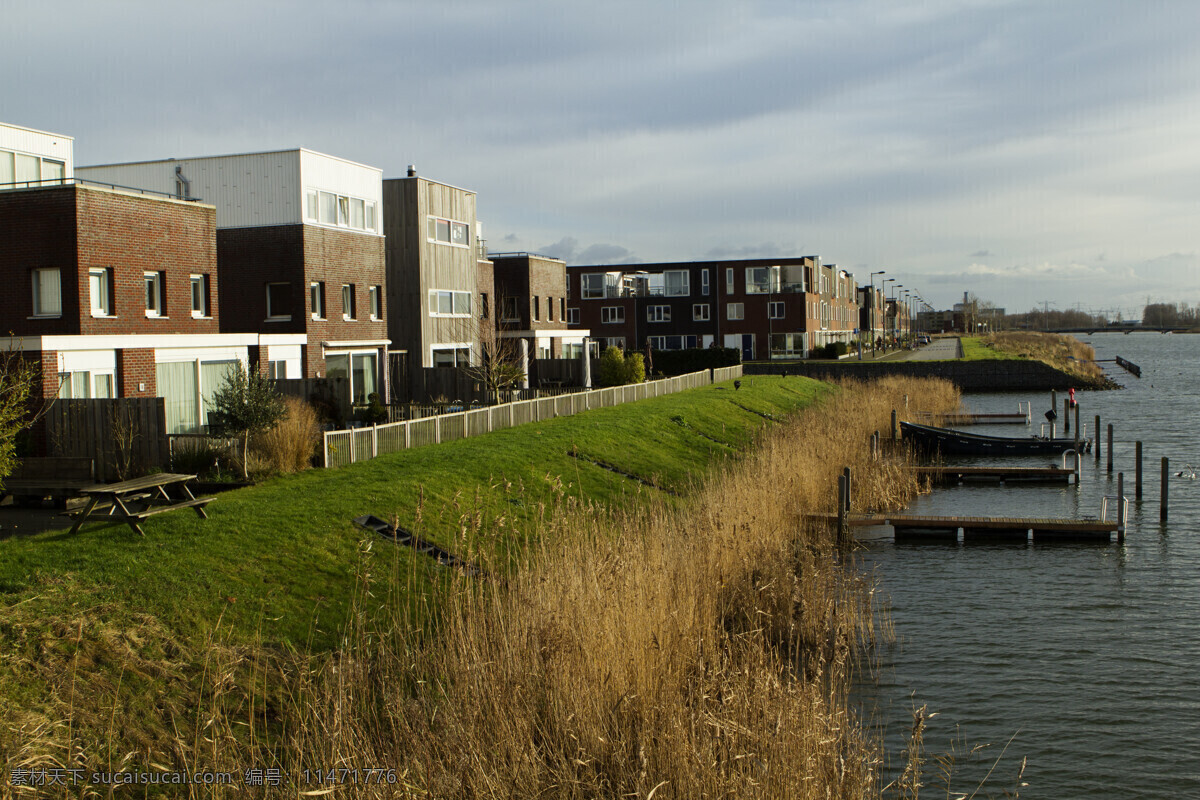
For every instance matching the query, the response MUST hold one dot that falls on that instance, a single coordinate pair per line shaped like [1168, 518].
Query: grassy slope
[274, 558]
[974, 349]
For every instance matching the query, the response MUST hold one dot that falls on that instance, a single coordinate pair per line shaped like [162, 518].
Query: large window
[29, 170]
[700, 312]
[775, 310]
[676, 283]
[448, 231]
[451, 357]
[445, 303]
[100, 289]
[672, 342]
[47, 293]
[735, 311]
[361, 370]
[155, 300]
[612, 314]
[762, 280]
[279, 301]
[331, 208]
[83, 384]
[593, 284]
[187, 389]
[658, 313]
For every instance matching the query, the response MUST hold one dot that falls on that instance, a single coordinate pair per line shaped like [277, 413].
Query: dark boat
[952, 442]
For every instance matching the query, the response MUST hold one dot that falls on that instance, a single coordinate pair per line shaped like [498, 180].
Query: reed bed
[1064, 352]
[640, 652]
[660, 649]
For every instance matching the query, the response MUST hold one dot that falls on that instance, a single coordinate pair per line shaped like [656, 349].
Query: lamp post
[872, 315]
[884, 288]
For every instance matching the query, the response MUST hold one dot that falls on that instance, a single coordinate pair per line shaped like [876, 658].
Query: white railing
[360, 444]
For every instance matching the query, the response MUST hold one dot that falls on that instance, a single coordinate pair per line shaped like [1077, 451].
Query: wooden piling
[1137, 472]
[849, 486]
[895, 427]
[1078, 431]
[1110, 448]
[1162, 492]
[1120, 505]
[841, 514]
[1066, 415]
[1096, 435]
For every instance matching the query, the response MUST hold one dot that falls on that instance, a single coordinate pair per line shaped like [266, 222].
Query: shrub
[635, 368]
[205, 456]
[291, 444]
[612, 368]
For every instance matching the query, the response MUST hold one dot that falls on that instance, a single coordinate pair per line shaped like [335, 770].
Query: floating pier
[923, 527]
[960, 475]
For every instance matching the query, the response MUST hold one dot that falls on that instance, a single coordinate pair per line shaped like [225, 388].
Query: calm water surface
[1083, 659]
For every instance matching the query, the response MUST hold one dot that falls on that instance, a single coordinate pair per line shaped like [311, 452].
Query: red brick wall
[249, 258]
[135, 368]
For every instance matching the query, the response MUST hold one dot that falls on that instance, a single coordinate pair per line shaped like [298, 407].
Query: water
[1082, 659]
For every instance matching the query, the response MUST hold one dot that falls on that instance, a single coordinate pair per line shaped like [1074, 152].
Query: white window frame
[686, 288]
[729, 280]
[700, 312]
[374, 302]
[755, 283]
[735, 311]
[271, 316]
[153, 283]
[658, 313]
[47, 294]
[776, 310]
[349, 302]
[535, 308]
[101, 301]
[457, 233]
[316, 299]
[611, 315]
[345, 211]
[572, 316]
[587, 292]
[200, 293]
[459, 302]
[704, 282]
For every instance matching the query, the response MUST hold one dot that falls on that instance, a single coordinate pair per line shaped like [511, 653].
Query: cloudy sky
[1029, 152]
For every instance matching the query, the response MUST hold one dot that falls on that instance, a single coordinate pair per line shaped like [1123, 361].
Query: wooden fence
[124, 437]
[359, 444]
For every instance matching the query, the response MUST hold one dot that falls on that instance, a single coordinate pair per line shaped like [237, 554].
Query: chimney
[412, 171]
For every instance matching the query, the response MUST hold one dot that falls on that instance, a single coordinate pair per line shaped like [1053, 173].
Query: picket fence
[360, 444]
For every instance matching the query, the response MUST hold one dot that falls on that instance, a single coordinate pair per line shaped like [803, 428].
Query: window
[611, 341]
[279, 301]
[700, 312]
[658, 313]
[155, 305]
[592, 285]
[374, 303]
[672, 342]
[348, 310]
[331, 208]
[734, 311]
[729, 280]
[316, 299]
[534, 307]
[100, 287]
[360, 368]
[29, 170]
[47, 293]
[200, 296]
[572, 349]
[562, 308]
[704, 282]
[775, 309]
[277, 370]
[509, 312]
[611, 314]
[762, 280]
[444, 303]
[447, 231]
[483, 305]
[572, 316]
[676, 283]
[550, 309]
[451, 357]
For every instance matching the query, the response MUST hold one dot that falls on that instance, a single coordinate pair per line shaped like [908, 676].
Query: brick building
[299, 252]
[113, 292]
[531, 292]
[765, 308]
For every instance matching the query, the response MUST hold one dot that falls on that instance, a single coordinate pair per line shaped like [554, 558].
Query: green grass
[277, 562]
[975, 350]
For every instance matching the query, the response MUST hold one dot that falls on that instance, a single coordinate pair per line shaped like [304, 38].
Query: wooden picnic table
[133, 500]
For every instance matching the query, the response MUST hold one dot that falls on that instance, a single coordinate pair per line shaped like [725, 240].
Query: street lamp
[872, 315]
[883, 286]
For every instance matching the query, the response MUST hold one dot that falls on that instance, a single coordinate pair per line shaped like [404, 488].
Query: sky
[1037, 154]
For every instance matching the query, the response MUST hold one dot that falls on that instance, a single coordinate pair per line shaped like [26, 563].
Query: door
[747, 347]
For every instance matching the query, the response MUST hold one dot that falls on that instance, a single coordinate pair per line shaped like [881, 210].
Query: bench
[59, 477]
[120, 501]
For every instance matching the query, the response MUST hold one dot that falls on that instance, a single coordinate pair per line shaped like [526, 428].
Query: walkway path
[937, 350]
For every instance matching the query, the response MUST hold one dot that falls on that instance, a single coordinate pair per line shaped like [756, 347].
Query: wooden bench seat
[198, 503]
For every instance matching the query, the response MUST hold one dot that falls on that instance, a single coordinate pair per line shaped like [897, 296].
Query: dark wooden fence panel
[124, 437]
[545, 372]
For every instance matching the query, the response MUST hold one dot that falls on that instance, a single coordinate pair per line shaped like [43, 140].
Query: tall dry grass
[292, 443]
[645, 652]
[1064, 352]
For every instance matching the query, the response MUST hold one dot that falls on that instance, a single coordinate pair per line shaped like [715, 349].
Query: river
[1083, 660]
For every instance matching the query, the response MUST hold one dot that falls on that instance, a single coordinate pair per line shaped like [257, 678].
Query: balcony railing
[46, 183]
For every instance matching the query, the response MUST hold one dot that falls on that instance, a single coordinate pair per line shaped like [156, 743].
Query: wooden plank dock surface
[923, 526]
[945, 474]
[977, 419]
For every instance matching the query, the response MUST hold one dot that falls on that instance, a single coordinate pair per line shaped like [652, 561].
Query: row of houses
[154, 278]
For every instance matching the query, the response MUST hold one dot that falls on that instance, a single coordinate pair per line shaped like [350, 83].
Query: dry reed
[291, 444]
[1064, 352]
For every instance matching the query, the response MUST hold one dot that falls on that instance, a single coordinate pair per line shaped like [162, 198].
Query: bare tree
[496, 360]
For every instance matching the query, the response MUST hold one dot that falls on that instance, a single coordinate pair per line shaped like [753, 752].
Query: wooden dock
[944, 420]
[928, 528]
[961, 475]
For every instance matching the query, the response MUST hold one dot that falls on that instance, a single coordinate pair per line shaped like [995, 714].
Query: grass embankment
[1063, 352]
[640, 636]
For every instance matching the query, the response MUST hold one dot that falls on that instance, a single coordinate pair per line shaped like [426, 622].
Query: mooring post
[841, 517]
[895, 427]
[1162, 493]
[1120, 507]
[1078, 430]
[1110, 448]
[1137, 473]
[849, 486]
[1066, 415]
[1096, 436]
